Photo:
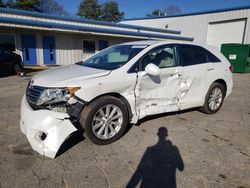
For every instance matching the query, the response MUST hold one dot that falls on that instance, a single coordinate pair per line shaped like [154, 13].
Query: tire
[97, 121]
[17, 68]
[216, 94]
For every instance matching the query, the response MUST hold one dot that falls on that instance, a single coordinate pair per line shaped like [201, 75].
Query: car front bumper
[45, 130]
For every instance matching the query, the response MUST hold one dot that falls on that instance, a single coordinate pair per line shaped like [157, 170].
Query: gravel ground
[194, 149]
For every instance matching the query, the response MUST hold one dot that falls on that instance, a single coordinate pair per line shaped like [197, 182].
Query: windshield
[112, 58]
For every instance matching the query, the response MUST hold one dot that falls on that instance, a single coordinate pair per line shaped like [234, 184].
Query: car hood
[66, 75]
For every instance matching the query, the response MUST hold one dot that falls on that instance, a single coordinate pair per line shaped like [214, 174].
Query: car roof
[143, 42]
[152, 42]
[163, 42]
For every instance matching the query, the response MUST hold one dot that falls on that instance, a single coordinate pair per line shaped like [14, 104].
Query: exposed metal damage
[184, 87]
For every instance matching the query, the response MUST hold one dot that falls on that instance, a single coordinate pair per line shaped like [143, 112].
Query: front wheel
[104, 120]
[214, 98]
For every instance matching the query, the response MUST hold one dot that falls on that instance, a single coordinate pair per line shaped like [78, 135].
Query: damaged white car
[121, 85]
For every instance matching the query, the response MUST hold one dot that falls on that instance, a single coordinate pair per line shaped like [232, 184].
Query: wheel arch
[118, 96]
[221, 81]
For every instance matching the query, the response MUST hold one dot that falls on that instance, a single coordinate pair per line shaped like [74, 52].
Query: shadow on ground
[78, 137]
[73, 140]
[158, 165]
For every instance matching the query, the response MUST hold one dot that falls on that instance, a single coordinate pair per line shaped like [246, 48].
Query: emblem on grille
[31, 82]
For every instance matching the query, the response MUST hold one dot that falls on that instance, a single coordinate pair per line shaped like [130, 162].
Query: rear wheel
[104, 120]
[214, 98]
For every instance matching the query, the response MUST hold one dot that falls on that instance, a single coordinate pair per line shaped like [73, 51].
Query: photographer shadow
[158, 165]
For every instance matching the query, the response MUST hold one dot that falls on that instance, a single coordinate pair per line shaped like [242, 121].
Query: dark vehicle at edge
[10, 62]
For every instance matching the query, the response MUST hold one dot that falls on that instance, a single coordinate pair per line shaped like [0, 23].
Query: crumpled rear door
[159, 94]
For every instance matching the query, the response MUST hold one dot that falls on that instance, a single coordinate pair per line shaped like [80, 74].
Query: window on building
[7, 42]
[89, 46]
[103, 44]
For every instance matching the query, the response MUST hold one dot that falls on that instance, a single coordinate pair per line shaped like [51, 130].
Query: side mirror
[152, 69]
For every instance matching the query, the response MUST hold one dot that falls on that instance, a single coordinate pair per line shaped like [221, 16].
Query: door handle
[210, 69]
[176, 73]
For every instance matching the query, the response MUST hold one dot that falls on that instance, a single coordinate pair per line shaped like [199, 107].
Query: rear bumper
[229, 82]
[45, 130]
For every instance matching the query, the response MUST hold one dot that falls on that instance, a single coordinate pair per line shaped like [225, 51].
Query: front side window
[193, 55]
[112, 58]
[163, 57]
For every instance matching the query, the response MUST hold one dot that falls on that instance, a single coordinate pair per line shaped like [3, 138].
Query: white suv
[121, 85]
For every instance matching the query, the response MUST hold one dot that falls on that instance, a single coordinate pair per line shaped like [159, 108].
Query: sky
[139, 8]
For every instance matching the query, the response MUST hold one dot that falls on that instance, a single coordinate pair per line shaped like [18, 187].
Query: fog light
[41, 135]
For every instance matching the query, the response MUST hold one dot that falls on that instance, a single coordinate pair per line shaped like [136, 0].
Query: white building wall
[196, 25]
[69, 46]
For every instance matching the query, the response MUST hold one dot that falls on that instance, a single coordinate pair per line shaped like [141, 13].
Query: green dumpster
[238, 55]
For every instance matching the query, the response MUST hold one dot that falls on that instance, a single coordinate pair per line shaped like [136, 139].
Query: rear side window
[193, 55]
[211, 57]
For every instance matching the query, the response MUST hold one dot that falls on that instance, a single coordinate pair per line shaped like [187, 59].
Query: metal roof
[91, 29]
[192, 14]
[77, 24]
[83, 20]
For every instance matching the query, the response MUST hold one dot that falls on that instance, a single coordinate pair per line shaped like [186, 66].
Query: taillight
[231, 68]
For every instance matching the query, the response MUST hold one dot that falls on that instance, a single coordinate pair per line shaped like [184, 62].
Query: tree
[172, 10]
[52, 7]
[2, 4]
[32, 5]
[10, 4]
[158, 12]
[89, 9]
[110, 12]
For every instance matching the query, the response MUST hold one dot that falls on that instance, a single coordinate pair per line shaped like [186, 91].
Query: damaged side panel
[194, 85]
[124, 85]
[176, 88]
[159, 94]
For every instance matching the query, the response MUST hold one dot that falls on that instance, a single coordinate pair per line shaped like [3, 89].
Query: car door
[195, 71]
[159, 94]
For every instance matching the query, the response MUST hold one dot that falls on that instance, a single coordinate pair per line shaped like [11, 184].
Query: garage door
[225, 32]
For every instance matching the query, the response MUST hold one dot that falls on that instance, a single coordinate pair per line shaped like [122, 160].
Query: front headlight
[56, 95]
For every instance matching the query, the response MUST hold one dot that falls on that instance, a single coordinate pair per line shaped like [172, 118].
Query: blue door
[49, 51]
[103, 44]
[29, 49]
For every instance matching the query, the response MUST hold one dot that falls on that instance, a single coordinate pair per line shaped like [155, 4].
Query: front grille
[33, 93]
